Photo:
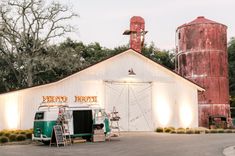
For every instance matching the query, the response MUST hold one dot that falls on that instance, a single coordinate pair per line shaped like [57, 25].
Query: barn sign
[64, 99]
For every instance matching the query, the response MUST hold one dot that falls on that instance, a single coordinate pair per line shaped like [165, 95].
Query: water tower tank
[202, 57]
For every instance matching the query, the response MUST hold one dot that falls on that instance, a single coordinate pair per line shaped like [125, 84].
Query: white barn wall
[164, 104]
[187, 106]
[2, 112]
[9, 110]
[175, 105]
[32, 98]
[169, 90]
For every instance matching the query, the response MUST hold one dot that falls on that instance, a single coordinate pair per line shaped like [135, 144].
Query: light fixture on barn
[131, 72]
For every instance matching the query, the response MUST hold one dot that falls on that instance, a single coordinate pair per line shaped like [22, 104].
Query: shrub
[4, 139]
[202, 131]
[167, 130]
[228, 131]
[172, 128]
[16, 132]
[159, 130]
[220, 131]
[1, 133]
[197, 131]
[189, 131]
[12, 137]
[213, 131]
[28, 135]
[13, 131]
[207, 131]
[7, 134]
[181, 131]
[173, 132]
[20, 137]
[30, 131]
[23, 132]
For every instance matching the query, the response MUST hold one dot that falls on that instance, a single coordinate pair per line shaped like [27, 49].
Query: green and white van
[81, 121]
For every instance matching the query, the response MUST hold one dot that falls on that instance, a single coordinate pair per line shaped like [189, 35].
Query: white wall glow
[163, 113]
[11, 111]
[163, 104]
[186, 115]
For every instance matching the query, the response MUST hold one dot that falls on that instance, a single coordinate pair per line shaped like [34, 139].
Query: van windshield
[39, 116]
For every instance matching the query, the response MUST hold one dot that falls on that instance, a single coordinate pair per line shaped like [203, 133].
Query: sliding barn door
[133, 102]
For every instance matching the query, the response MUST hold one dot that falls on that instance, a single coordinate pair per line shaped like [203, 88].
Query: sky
[104, 21]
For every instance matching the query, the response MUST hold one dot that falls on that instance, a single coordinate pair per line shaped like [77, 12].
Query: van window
[39, 116]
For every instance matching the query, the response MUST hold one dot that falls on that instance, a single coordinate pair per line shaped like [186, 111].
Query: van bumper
[41, 138]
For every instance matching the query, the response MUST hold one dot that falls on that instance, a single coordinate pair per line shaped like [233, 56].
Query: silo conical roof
[200, 20]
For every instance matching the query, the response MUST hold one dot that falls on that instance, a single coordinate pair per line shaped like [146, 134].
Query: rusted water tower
[202, 57]
[136, 32]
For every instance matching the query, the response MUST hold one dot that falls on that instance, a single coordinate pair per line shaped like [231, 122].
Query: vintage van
[81, 121]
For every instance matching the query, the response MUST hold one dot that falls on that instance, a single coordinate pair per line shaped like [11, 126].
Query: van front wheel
[46, 142]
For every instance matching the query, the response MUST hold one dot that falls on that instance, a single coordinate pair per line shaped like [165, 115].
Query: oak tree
[26, 29]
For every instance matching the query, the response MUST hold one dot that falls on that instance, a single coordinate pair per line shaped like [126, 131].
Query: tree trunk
[30, 75]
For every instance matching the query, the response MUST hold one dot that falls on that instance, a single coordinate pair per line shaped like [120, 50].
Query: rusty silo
[202, 57]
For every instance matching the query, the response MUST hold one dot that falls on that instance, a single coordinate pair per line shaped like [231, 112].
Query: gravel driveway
[134, 144]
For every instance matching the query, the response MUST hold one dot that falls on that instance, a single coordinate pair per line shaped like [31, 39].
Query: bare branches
[36, 21]
[27, 26]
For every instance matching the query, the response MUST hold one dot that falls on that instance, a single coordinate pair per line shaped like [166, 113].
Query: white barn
[154, 97]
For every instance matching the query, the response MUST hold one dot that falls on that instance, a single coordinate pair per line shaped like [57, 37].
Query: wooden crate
[79, 140]
[98, 131]
[98, 138]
